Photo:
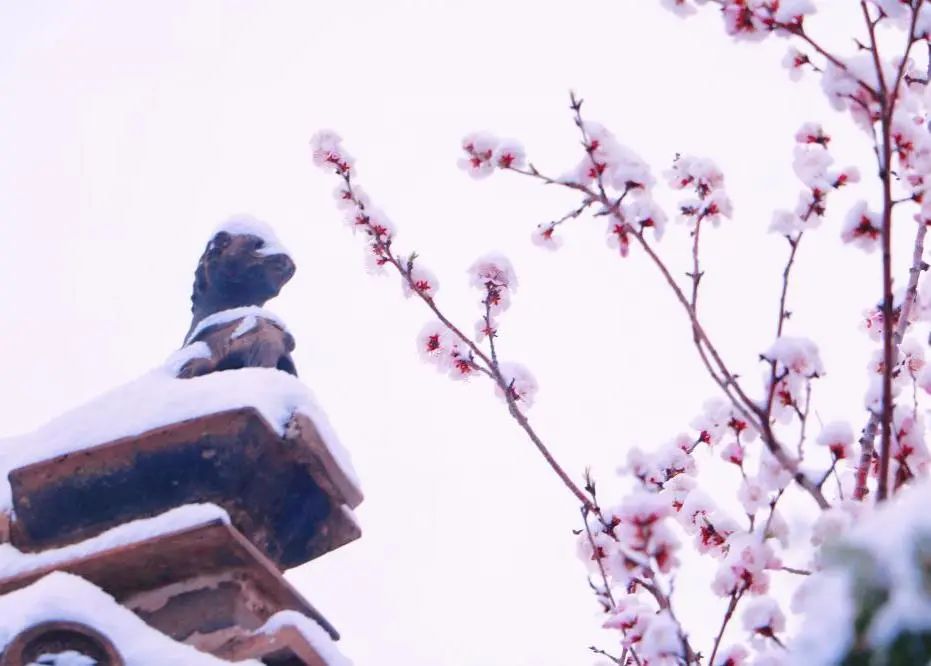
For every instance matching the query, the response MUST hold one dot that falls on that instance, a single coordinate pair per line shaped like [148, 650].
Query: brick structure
[186, 526]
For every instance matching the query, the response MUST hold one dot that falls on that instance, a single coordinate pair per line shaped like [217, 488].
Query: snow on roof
[66, 598]
[157, 399]
[226, 316]
[14, 562]
[312, 632]
[248, 225]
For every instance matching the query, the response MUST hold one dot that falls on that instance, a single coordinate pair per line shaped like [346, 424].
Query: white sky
[130, 129]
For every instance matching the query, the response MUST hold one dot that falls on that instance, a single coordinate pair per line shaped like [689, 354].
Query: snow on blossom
[770, 654]
[862, 227]
[798, 356]
[509, 154]
[484, 153]
[811, 132]
[616, 165]
[787, 223]
[637, 536]
[772, 473]
[924, 378]
[631, 617]
[744, 566]
[923, 23]
[745, 19]
[788, 395]
[793, 11]
[733, 453]
[544, 236]
[763, 616]
[328, 153]
[438, 346]
[794, 60]
[873, 399]
[655, 468]
[701, 176]
[912, 355]
[872, 323]
[699, 516]
[753, 495]
[733, 655]
[834, 522]
[522, 386]
[644, 213]
[846, 87]
[661, 643]
[777, 528]
[433, 342]
[347, 199]
[678, 488]
[909, 449]
[837, 436]
[894, 9]
[696, 173]
[810, 163]
[494, 275]
[422, 281]
[712, 423]
[678, 7]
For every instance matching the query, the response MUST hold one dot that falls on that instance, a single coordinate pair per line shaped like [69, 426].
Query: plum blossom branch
[594, 169]
[329, 154]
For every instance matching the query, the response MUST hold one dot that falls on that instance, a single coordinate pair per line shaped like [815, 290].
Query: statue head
[242, 265]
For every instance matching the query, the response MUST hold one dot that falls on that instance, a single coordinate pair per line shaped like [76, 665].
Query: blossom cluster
[752, 19]
[710, 201]
[811, 165]
[484, 153]
[634, 548]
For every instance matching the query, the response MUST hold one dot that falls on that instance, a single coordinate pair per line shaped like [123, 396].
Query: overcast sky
[128, 130]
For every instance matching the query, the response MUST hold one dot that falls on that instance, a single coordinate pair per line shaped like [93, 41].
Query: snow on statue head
[242, 267]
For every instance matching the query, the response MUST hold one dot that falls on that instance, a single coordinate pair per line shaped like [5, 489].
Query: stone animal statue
[242, 267]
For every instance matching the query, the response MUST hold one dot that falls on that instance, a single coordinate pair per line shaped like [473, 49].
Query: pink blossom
[763, 616]
[616, 165]
[677, 489]
[678, 7]
[837, 436]
[422, 281]
[644, 213]
[522, 386]
[862, 227]
[433, 342]
[495, 277]
[833, 522]
[544, 236]
[795, 355]
[752, 495]
[787, 223]
[696, 173]
[793, 11]
[509, 154]
[771, 473]
[811, 163]
[745, 565]
[479, 151]
[733, 453]
[661, 644]
[734, 655]
[327, 152]
[795, 61]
